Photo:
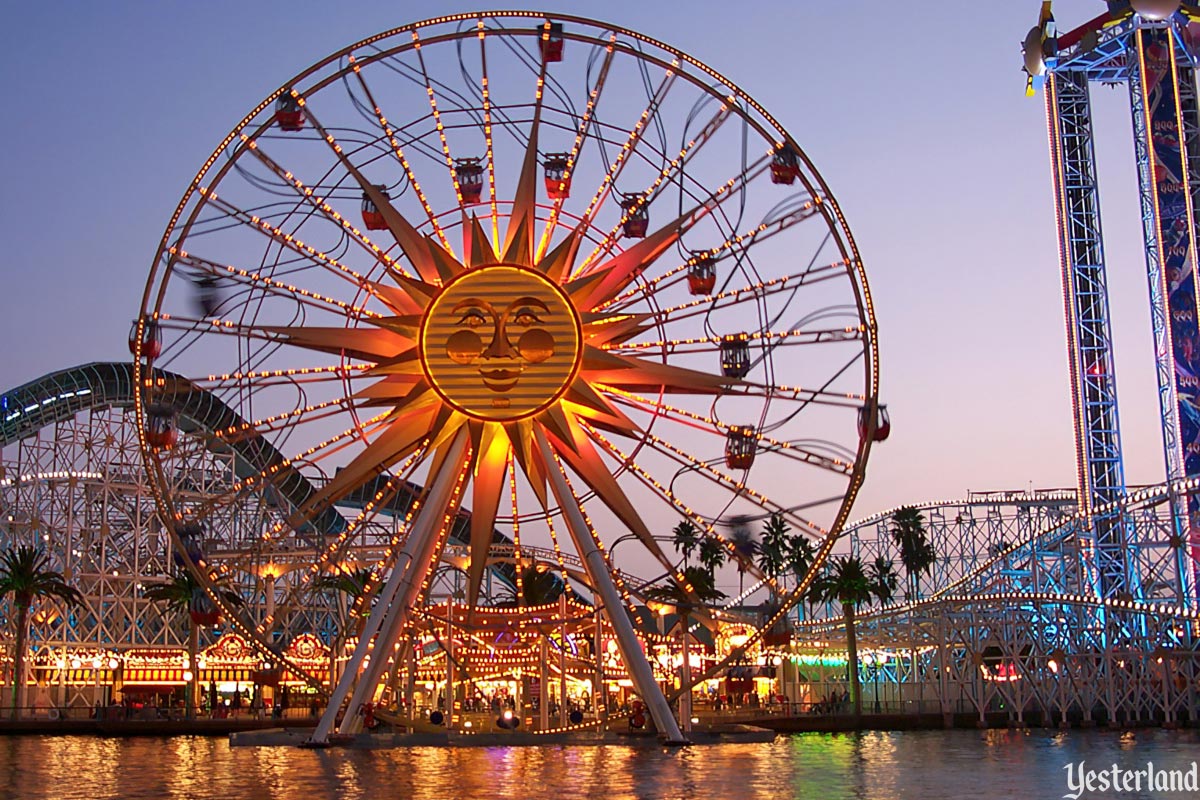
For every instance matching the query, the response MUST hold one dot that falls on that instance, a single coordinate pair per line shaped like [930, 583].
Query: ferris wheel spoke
[311, 455]
[579, 452]
[738, 247]
[287, 241]
[433, 263]
[489, 154]
[595, 261]
[573, 155]
[595, 542]
[319, 203]
[398, 151]
[707, 526]
[489, 463]
[244, 277]
[708, 424]
[223, 327]
[518, 240]
[402, 433]
[371, 509]
[712, 344]
[285, 421]
[635, 135]
[437, 119]
[728, 298]
[727, 482]
[282, 377]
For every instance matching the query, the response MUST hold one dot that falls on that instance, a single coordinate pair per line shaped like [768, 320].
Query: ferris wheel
[544, 270]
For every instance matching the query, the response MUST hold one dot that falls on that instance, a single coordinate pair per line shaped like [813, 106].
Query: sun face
[500, 343]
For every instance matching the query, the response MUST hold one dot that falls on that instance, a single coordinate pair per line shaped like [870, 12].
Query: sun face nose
[499, 347]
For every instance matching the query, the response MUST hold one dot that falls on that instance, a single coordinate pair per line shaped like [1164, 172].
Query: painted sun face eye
[472, 319]
[525, 317]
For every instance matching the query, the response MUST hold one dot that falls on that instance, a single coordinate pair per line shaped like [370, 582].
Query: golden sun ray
[510, 347]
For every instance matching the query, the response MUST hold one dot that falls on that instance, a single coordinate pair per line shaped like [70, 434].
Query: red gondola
[637, 216]
[552, 46]
[160, 426]
[785, 166]
[740, 447]
[558, 183]
[702, 273]
[202, 610]
[735, 355]
[372, 216]
[883, 423]
[289, 114]
[151, 340]
[192, 537]
[470, 179]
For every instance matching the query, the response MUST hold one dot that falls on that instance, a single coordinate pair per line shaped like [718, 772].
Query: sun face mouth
[500, 342]
[500, 377]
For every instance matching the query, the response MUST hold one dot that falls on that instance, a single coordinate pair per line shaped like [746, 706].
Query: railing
[121, 713]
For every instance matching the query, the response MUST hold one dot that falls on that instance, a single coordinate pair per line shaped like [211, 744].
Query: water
[929, 765]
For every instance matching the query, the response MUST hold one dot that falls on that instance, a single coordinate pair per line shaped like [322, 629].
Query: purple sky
[915, 117]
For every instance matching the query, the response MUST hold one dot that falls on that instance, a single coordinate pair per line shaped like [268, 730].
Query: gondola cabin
[202, 610]
[151, 340]
[785, 166]
[558, 183]
[160, 426]
[289, 114]
[883, 424]
[372, 216]
[735, 355]
[702, 274]
[208, 295]
[637, 216]
[552, 43]
[192, 537]
[740, 446]
[470, 179]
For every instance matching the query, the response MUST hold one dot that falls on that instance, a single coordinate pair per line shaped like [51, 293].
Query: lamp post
[96, 664]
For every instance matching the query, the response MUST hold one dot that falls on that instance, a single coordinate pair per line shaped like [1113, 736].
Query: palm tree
[916, 553]
[351, 583]
[183, 595]
[25, 574]
[703, 589]
[917, 556]
[745, 548]
[773, 549]
[846, 582]
[539, 587]
[711, 554]
[884, 579]
[800, 555]
[342, 586]
[686, 539]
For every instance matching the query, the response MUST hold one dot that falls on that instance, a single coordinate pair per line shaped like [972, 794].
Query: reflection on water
[929, 765]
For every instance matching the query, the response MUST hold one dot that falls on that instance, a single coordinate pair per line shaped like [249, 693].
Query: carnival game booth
[151, 682]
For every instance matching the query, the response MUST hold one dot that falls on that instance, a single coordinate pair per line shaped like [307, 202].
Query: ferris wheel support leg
[391, 610]
[597, 571]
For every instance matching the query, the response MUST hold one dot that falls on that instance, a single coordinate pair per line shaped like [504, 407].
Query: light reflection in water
[879, 766]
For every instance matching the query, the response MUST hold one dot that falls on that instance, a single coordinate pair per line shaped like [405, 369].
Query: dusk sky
[914, 113]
